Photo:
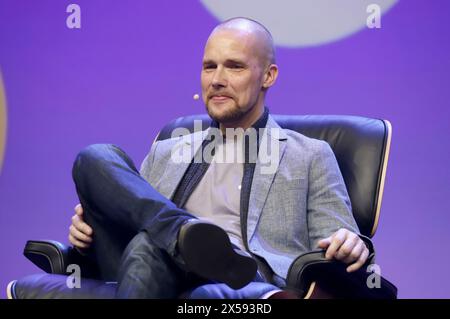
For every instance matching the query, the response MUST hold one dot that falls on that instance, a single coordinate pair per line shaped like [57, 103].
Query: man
[222, 220]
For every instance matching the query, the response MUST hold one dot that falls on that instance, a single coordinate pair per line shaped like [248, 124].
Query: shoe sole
[207, 252]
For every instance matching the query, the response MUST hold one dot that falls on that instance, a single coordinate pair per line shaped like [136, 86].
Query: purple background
[134, 66]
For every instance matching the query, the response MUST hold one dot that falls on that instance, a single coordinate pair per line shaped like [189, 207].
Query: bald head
[260, 35]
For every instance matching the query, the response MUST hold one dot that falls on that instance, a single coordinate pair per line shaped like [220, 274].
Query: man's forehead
[230, 42]
[232, 36]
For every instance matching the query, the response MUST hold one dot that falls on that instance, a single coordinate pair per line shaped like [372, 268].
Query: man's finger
[355, 253]
[362, 259]
[337, 240]
[77, 243]
[324, 243]
[79, 210]
[351, 241]
[79, 235]
[81, 225]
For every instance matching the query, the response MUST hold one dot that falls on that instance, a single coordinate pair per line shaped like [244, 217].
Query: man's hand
[347, 247]
[80, 233]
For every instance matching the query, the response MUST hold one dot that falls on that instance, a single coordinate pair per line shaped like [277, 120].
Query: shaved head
[253, 28]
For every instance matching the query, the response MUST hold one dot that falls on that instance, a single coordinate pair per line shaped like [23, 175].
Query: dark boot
[207, 251]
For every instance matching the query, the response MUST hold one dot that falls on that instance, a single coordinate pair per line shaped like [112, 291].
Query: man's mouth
[219, 98]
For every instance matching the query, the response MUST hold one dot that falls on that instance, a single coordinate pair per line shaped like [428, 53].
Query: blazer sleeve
[147, 163]
[329, 206]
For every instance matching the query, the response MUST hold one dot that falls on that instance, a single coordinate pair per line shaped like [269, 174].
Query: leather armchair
[361, 146]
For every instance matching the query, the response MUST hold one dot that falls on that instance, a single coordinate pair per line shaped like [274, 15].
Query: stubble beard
[230, 115]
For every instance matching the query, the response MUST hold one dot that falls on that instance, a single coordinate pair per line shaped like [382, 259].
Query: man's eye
[236, 66]
[209, 67]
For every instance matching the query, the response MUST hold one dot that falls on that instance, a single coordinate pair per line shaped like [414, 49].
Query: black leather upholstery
[49, 255]
[332, 275]
[53, 286]
[360, 146]
[53, 257]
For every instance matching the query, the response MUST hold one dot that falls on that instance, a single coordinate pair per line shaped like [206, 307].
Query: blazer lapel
[262, 180]
[175, 171]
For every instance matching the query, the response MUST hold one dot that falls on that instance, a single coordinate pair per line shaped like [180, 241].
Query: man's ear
[270, 76]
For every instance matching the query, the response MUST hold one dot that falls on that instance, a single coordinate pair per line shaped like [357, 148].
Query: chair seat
[51, 286]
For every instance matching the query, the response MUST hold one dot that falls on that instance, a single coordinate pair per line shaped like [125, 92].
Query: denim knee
[94, 157]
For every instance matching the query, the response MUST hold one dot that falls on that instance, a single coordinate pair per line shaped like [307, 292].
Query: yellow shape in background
[2, 122]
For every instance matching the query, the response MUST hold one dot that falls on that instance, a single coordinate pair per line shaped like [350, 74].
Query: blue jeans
[118, 204]
[135, 227]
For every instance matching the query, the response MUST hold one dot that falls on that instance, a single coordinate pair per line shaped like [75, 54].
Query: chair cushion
[50, 286]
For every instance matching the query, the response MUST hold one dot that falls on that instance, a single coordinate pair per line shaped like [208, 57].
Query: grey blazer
[290, 210]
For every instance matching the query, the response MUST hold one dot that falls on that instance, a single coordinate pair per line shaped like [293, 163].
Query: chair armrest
[331, 276]
[54, 257]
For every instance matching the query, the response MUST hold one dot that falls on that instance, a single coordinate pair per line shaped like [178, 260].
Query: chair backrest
[361, 146]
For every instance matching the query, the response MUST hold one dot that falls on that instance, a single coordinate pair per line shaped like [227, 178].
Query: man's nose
[219, 79]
